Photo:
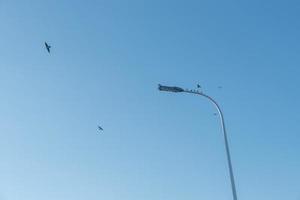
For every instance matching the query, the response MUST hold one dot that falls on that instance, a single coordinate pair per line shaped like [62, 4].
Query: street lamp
[178, 89]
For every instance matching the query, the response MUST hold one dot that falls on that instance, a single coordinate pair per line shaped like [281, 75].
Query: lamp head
[169, 89]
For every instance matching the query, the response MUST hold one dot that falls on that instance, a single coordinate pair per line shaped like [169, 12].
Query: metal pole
[225, 139]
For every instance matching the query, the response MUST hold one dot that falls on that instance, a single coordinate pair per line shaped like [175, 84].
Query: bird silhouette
[47, 47]
[100, 128]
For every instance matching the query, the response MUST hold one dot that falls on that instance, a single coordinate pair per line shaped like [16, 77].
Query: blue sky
[106, 61]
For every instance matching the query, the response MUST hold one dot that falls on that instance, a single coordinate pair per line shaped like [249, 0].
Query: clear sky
[106, 61]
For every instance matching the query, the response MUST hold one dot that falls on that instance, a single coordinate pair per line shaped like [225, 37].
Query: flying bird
[220, 87]
[47, 47]
[100, 128]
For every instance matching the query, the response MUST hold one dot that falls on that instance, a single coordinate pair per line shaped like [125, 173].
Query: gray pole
[178, 89]
[225, 139]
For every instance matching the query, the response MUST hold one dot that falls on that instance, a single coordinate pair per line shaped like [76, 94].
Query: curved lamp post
[178, 89]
